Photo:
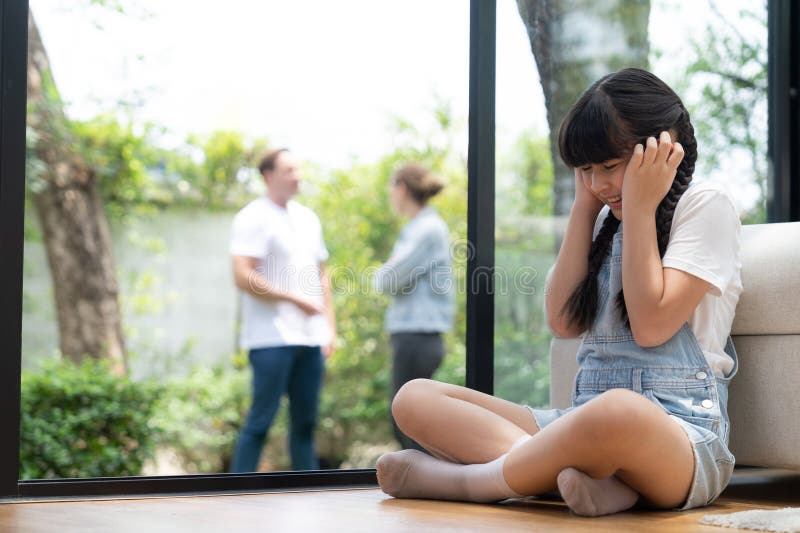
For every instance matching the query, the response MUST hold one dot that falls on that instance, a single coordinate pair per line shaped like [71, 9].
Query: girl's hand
[585, 200]
[650, 173]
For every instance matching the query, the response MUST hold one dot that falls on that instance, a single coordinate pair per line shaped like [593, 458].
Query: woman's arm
[410, 259]
[572, 263]
[659, 300]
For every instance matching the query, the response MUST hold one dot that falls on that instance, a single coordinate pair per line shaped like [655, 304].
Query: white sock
[413, 474]
[594, 497]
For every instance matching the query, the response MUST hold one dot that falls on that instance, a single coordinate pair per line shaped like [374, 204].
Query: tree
[575, 42]
[67, 200]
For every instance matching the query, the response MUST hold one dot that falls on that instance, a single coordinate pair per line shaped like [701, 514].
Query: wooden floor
[371, 510]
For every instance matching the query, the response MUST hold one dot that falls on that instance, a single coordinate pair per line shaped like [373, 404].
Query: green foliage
[45, 126]
[199, 416]
[213, 171]
[35, 169]
[524, 244]
[730, 69]
[536, 165]
[522, 338]
[135, 176]
[120, 158]
[79, 420]
[113, 5]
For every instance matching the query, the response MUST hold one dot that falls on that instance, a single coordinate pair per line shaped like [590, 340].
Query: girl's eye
[610, 167]
[586, 169]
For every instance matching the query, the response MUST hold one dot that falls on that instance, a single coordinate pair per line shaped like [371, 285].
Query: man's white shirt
[289, 245]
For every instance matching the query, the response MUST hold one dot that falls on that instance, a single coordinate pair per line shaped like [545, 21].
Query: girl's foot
[413, 474]
[594, 497]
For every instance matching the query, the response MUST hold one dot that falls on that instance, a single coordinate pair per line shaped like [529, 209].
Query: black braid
[581, 308]
[666, 209]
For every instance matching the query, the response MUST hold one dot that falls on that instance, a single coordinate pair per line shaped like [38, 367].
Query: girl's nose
[598, 183]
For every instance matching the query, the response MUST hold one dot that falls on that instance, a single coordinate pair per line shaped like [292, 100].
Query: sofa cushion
[770, 302]
[764, 402]
[563, 367]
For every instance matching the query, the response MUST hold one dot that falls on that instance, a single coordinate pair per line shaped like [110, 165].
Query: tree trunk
[575, 42]
[69, 207]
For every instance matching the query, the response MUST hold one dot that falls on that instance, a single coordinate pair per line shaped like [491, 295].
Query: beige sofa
[764, 402]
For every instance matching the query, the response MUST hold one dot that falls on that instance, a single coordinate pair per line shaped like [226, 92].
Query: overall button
[701, 375]
[708, 404]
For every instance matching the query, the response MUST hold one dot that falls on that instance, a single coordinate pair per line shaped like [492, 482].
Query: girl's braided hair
[617, 112]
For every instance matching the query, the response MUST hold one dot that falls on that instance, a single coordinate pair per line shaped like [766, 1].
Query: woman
[418, 276]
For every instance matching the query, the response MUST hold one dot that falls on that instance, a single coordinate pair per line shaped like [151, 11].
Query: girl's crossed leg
[458, 424]
[602, 456]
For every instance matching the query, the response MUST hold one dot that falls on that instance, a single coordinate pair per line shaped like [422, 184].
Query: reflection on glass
[138, 348]
[716, 60]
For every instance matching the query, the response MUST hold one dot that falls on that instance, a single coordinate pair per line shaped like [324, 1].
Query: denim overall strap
[675, 375]
[722, 390]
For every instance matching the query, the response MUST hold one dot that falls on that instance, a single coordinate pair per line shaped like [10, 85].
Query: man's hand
[327, 351]
[307, 306]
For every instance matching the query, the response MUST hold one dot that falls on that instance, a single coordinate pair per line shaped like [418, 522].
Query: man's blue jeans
[297, 371]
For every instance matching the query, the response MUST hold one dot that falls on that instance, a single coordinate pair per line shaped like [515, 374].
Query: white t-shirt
[289, 244]
[704, 241]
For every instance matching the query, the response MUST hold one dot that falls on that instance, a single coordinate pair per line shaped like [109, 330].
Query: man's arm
[249, 279]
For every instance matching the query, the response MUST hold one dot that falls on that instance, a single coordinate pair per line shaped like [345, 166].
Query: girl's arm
[572, 263]
[659, 300]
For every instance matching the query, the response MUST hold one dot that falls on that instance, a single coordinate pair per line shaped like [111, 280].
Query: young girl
[656, 301]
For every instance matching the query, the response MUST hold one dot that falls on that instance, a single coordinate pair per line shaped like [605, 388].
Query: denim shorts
[713, 462]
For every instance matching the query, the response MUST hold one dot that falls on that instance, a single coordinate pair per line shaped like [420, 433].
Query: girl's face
[604, 180]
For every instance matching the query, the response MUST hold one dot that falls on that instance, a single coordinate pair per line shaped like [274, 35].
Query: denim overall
[674, 376]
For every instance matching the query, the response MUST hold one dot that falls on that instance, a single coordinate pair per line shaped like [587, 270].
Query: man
[288, 321]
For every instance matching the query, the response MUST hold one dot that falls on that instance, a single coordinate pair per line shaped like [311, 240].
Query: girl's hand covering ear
[650, 173]
[585, 200]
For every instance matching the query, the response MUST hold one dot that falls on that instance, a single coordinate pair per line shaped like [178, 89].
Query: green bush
[199, 416]
[80, 420]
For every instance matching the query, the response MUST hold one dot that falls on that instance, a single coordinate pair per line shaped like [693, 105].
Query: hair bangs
[591, 132]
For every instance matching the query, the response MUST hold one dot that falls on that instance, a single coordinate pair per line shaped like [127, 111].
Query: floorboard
[371, 510]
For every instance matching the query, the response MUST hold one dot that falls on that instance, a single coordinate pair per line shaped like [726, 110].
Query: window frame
[783, 205]
[13, 63]
[783, 102]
